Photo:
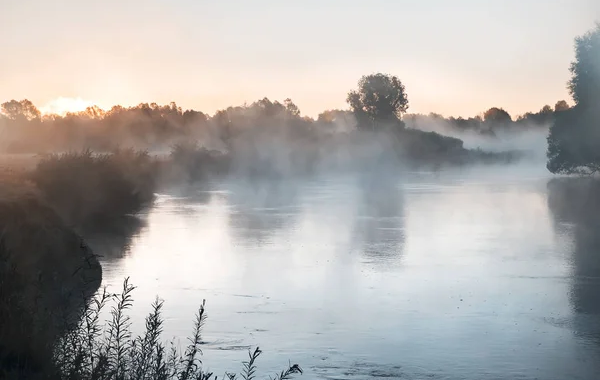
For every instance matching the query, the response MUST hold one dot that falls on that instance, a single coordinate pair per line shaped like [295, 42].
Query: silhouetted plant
[91, 351]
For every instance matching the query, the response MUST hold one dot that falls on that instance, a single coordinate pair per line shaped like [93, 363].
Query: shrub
[90, 189]
[192, 162]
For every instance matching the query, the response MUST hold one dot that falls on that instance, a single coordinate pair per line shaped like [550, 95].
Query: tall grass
[110, 351]
[43, 263]
[89, 190]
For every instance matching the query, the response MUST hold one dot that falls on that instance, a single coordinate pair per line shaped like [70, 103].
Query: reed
[91, 350]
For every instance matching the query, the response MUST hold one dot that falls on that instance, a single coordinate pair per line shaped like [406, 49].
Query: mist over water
[527, 137]
[360, 242]
[466, 273]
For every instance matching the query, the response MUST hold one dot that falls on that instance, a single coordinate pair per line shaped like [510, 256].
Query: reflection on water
[457, 275]
[379, 220]
[261, 208]
[114, 240]
[575, 205]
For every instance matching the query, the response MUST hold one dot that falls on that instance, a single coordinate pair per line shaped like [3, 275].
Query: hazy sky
[455, 57]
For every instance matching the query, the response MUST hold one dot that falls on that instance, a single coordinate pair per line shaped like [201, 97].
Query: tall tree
[20, 110]
[584, 85]
[574, 138]
[380, 98]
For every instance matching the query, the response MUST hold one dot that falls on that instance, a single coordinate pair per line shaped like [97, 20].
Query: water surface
[464, 274]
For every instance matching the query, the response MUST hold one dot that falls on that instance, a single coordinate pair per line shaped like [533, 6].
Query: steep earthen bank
[46, 273]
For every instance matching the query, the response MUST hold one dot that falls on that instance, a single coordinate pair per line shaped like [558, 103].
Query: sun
[61, 106]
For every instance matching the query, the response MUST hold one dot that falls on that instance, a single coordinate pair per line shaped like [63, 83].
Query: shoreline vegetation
[45, 270]
[50, 204]
[90, 349]
[86, 172]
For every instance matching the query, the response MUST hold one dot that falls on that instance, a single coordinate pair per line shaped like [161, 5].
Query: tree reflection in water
[575, 207]
[379, 222]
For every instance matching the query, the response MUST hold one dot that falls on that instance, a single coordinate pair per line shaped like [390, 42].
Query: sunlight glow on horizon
[64, 105]
[456, 59]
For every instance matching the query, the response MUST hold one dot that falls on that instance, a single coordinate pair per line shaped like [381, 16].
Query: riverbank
[47, 270]
[49, 207]
[46, 273]
[49, 305]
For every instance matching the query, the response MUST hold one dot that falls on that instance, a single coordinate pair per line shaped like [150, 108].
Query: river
[457, 274]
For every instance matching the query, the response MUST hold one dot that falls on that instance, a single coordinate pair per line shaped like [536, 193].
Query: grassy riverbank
[47, 271]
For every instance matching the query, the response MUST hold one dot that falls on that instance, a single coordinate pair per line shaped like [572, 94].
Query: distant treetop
[584, 85]
[496, 115]
[379, 98]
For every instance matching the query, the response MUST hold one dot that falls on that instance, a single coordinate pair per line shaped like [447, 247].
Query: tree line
[380, 103]
[490, 123]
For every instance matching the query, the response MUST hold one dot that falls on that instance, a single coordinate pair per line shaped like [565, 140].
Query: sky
[456, 57]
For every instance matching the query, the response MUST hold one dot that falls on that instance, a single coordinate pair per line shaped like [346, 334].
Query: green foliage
[89, 189]
[573, 142]
[574, 137]
[379, 98]
[584, 85]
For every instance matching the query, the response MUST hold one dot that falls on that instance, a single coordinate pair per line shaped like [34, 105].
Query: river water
[458, 274]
